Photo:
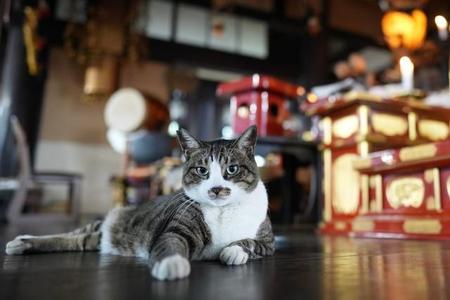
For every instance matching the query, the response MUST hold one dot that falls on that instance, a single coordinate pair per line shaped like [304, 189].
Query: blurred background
[92, 92]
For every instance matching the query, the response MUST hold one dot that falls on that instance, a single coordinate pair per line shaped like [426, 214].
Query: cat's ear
[247, 141]
[187, 142]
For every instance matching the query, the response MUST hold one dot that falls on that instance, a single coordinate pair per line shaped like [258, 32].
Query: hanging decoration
[34, 20]
[102, 43]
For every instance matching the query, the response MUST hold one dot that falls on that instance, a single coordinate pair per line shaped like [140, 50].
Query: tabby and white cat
[221, 213]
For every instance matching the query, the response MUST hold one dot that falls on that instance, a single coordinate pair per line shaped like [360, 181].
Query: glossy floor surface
[304, 267]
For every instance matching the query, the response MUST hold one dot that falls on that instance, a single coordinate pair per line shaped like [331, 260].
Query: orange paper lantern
[404, 30]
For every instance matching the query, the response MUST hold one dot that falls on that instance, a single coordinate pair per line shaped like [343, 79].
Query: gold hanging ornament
[34, 17]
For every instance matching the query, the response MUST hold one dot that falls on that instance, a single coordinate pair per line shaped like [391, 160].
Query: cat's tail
[86, 238]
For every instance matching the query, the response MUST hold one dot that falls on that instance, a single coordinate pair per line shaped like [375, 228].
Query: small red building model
[259, 100]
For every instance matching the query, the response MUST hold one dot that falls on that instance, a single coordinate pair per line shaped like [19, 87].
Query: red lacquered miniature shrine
[259, 100]
[386, 167]
[409, 191]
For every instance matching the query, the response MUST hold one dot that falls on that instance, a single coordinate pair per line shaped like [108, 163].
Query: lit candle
[442, 26]
[407, 72]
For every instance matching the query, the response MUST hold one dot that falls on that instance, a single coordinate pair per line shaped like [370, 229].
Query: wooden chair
[27, 180]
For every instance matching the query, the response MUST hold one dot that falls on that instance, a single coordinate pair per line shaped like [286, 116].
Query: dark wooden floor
[304, 267]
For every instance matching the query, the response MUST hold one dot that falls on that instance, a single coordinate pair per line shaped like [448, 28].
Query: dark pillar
[204, 111]
[315, 61]
[21, 95]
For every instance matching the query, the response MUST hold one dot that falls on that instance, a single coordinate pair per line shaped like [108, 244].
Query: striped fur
[263, 245]
[83, 239]
[217, 215]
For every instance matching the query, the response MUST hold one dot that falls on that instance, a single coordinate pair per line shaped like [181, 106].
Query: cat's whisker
[178, 197]
[185, 203]
[186, 208]
[173, 213]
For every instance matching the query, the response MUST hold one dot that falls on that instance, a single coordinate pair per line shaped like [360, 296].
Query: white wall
[95, 162]
[73, 133]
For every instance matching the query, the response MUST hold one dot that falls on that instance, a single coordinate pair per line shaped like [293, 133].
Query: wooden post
[21, 93]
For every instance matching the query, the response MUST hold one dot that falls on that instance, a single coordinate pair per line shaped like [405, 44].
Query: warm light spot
[312, 98]
[173, 127]
[260, 161]
[243, 111]
[227, 132]
[406, 64]
[407, 73]
[255, 80]
[387, 158]
[441, 22]
[442, 25]
[404, 30]
[300, 91]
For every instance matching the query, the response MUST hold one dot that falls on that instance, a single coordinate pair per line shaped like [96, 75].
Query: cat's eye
[202, 171]
[233, 169]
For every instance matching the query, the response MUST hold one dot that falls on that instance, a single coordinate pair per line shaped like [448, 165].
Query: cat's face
[220, 172]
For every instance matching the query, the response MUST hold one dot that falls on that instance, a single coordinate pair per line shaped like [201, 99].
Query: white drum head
[125, 110]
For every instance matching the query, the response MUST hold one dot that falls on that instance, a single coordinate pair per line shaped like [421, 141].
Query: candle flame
[441, 22]
[406, 63]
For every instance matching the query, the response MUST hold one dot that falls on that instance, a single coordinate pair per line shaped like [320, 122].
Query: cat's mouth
[219, 201]
[217, 198]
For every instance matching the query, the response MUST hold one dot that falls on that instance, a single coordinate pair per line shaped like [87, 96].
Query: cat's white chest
[234, 222]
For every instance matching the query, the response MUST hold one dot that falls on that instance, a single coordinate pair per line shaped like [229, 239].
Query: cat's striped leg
[184, 237]
[89, 228]
[237, 253]
[82, 239]
[169, 257]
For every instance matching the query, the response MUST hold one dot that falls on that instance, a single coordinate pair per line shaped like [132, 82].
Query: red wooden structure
[357, 188]
[410, 188]
[259, 100]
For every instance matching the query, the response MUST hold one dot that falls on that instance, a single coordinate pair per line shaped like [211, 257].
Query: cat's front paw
[19, 245]
[233, 255]
[171, 267]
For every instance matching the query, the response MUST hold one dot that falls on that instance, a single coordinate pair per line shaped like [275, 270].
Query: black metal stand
[295, 153]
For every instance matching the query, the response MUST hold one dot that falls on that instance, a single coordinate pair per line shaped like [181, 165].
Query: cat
[219, 214]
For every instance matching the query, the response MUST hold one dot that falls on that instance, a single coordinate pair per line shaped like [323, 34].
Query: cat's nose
[218, 192]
